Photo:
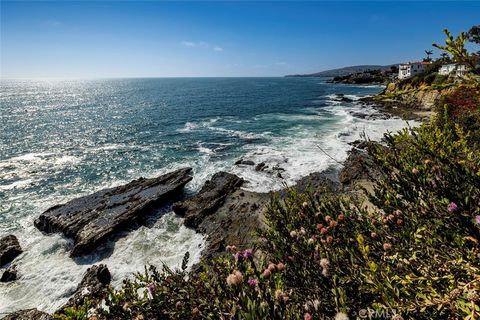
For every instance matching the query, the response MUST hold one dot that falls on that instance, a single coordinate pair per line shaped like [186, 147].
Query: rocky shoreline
[223, 212]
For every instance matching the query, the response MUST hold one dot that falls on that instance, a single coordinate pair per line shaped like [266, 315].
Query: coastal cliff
[418, 96]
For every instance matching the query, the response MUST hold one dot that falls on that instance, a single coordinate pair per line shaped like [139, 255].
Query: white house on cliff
[411, 69]
[457, 69]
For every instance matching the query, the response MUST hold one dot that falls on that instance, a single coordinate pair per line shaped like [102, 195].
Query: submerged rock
[260, 166]
[92, 219]
[209, 199]
[93, 285]
[9, 275]
[245, 162]
[29, 314]
[9, 249]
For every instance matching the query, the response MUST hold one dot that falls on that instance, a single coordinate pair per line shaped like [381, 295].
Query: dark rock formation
[245, 162]
[92, 219]
[9, 275]
[241, 214]
[359, 144]
[260, 166]
[29, 314]
[93, 285]
[9, 249]
[210, 197]
[358, 165]
[234, 222]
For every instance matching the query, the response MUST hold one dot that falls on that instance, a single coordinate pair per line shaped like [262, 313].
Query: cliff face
[414, 96]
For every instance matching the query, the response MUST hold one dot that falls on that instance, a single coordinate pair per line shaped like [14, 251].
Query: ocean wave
[50, 276]
[191, 126]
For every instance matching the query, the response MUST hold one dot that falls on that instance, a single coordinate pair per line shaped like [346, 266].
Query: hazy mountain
[344, 71]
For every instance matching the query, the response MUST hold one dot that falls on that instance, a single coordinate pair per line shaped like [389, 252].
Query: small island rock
[9, 249]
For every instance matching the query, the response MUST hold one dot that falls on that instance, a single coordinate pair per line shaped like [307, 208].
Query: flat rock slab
[9, 249]
[92, 219]
[209, 199]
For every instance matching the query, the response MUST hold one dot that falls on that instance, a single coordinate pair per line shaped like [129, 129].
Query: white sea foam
[48, 275]
[305, 151]
[191, 126]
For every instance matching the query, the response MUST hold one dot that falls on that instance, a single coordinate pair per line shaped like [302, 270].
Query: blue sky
[157, 39]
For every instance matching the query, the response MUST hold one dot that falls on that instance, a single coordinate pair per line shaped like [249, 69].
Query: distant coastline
[339, 72]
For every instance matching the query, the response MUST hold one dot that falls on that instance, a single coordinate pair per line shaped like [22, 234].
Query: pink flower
[231, 248]
[253, 282]
[329, 239]
[387, 246]
[477, 220]
[324, 263]
[307, 316]
[280, 295]
[271, 267]
[248, 253]
[151, 288]
[266, 273]
[238, 256]
[452, 207]
[280, 266]
[235, 278]
[293, 234]
[373, 235]
[341, 217]
[302, 231]
[415, 171]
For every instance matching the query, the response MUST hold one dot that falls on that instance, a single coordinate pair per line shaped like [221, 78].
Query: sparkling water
[64, 139]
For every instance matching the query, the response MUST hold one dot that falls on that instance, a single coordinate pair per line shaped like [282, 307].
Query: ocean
[62, 139]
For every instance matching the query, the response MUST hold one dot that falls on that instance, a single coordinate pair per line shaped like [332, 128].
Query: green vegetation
[456, 47]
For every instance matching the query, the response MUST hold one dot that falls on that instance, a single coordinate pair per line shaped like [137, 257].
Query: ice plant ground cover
[414, 253]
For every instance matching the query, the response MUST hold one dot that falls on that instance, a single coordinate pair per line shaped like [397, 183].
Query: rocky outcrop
[245, 162]
[358, 166]
[94, 285]
[260, 166]
[9, 249]
[211, 196]
[92, 219]
[29, 314]
[237, 220]
[234, 222]
[414, 96]
[9, 275]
